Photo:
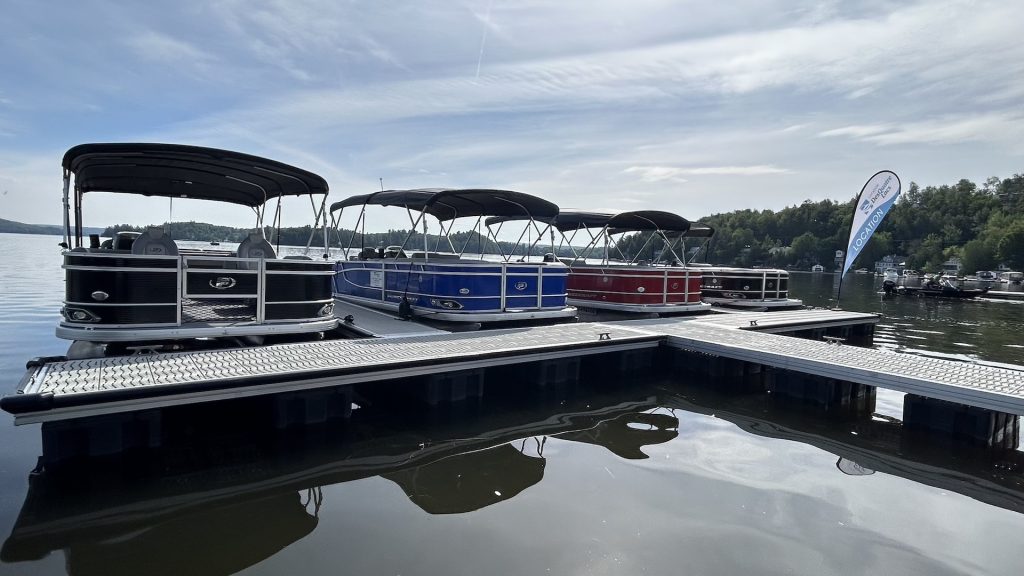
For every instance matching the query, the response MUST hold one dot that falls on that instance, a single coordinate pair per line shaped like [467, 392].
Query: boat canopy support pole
[67, 208]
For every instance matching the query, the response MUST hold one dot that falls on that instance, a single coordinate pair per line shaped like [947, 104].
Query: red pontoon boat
[600, 281]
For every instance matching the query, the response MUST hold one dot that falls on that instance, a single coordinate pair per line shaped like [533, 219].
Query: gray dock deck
[78, 388]
[72, 389]
[376, 324]
[984, 386]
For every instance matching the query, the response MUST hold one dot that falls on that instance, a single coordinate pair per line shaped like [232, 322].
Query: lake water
[619, 475]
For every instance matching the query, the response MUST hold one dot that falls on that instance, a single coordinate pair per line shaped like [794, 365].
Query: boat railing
[202, 289]
[762, 292]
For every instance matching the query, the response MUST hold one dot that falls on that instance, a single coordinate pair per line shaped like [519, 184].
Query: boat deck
[372, 323]
[71, 389]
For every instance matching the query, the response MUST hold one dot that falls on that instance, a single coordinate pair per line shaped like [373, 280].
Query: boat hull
[462, 291]
[956, 293]
[130, 298]
[747, 288]
[636, 289]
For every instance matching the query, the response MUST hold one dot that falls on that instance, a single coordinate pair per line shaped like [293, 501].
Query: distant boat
[862, 271]
[941, 287]
[1010, 277]
[986, 275]
[817, 268]
[214, 243]
[889, 279]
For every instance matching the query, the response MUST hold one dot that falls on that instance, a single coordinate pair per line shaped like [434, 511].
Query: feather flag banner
[873, 203]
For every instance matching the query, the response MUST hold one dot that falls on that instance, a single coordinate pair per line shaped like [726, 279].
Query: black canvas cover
[179, 171]
[700, 231]
[450, 203]
[631, 221]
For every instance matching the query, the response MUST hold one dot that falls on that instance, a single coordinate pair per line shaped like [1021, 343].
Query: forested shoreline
[982, 225]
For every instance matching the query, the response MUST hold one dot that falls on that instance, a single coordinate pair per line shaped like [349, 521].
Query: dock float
[1004, 295]
[60, 390]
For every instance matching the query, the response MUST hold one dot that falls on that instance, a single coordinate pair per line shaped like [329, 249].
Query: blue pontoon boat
[418, 280]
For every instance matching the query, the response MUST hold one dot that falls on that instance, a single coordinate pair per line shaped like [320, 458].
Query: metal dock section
[53, 391]
[79, 388]
[983, 386]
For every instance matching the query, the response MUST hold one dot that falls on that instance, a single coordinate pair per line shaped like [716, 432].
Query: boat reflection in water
[240, 497]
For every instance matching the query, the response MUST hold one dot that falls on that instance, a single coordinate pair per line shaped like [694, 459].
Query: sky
[692, 107]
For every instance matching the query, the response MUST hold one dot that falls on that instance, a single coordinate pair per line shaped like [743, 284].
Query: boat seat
[368, 253]
[154, 242]
[123, 240]
[297, 257]
[256, 245]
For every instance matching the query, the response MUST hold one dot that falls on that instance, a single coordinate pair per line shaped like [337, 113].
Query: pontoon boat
[746, 288]
[143, 288]
[428, 283]
[660, 285]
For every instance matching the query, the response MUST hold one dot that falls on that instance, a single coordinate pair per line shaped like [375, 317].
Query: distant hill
[12, 227]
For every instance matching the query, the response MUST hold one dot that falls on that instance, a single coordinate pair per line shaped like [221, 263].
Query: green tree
[978, 255]
[1011, 247]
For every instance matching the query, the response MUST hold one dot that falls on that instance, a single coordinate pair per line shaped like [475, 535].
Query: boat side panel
[745, 284]
[466, 287]
[628, 285]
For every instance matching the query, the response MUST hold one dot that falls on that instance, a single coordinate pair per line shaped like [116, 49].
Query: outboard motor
[889, 287]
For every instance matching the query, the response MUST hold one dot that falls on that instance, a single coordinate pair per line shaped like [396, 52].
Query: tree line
[981, 225]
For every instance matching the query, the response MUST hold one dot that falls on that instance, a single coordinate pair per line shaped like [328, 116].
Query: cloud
[1007, 128]
[582, 102]
[673, 173]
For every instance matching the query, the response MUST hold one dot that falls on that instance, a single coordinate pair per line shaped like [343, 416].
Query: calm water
[641, 477]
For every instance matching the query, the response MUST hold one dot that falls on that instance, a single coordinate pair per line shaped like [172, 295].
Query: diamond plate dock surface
[99, 386]
[310, 358]
[984, 386]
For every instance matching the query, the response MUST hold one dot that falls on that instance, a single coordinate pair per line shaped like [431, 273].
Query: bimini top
[177, 171]
[448, 204]
[622, 221]
[700, 231]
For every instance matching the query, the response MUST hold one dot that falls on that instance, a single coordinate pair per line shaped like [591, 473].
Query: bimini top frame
[447, 205]
[667, 226]
[179, 171]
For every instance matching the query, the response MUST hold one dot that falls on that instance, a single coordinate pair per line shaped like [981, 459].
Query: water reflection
[238, 498]
[872, 444]
[241, 496]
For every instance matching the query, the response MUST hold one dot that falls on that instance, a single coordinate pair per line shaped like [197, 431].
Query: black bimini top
[448, 203]
[622, 221]
[700, 231]
[177, 171]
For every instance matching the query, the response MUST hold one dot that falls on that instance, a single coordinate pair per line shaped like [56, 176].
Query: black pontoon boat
[941, 288]
[744, 288]
[143, 288]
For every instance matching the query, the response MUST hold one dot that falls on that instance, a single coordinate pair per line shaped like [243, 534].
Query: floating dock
[61, 390]
[1004, 295]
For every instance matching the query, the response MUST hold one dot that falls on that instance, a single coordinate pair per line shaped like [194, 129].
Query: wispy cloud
[675, 173]
[954, 129]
